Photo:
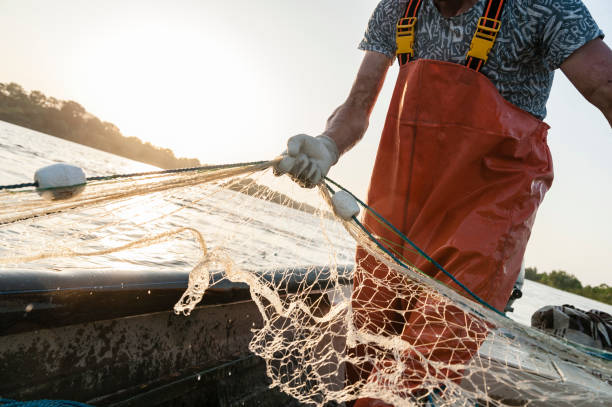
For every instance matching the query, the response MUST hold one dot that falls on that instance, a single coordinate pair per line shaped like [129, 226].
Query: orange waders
[461, 172]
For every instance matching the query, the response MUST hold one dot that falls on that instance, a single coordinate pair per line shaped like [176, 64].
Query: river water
[23, 151]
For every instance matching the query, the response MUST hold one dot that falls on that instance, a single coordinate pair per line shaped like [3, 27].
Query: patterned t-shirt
[536, 37]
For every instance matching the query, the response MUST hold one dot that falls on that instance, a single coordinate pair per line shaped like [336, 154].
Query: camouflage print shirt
[536, 36]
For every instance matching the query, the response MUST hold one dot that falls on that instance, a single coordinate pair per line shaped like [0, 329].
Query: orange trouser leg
[440, 335]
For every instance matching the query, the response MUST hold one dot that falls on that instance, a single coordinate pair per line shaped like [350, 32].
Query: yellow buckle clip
[404, 36]
[484, 38]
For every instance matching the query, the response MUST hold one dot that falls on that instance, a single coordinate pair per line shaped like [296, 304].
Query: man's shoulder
[533, 6]
[392, 6]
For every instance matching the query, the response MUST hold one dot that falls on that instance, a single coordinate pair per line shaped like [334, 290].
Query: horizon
[202, 77]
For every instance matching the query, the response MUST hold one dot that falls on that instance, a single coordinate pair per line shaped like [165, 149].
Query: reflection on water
[246, 227]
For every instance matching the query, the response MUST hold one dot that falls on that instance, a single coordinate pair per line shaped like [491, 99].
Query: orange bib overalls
[461, 172]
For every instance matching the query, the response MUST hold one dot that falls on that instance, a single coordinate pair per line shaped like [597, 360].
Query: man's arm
[589, 68]
[308, 159]
[349, 122]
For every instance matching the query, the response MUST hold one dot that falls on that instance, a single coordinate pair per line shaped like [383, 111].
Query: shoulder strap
[485, 35]
[482, 42]
[404, 34]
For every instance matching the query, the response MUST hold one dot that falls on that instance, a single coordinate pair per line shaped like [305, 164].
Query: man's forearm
[346, 126]
[590, 70]
[602, 98]
[348, 123]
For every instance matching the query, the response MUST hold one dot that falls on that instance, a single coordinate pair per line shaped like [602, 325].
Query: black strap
[412, 10]
[490, 19]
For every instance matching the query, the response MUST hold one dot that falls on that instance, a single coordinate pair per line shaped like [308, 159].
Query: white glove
[307, 159]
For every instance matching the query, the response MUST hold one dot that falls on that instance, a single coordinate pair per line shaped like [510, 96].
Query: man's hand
[589, 68]
[308, 159]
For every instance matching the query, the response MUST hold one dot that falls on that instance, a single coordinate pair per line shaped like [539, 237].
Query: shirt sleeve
[567, 26]
[380, 34]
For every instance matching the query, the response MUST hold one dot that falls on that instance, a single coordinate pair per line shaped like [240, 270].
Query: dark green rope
[411, 243]
[143, 174]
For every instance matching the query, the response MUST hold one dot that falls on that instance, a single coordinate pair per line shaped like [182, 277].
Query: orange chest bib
[461, 172]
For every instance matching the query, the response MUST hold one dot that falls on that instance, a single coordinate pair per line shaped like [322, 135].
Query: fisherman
[462, 163]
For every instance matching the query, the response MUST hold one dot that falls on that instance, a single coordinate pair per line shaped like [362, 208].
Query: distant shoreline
[70, 121]
[564, 281]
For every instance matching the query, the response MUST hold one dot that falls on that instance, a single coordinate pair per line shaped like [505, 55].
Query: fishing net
[333, 331]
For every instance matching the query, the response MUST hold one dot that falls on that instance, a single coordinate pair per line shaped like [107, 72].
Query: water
[23, 151]
[536, 295]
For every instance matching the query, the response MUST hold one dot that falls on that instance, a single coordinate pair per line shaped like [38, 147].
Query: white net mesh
[333, 331]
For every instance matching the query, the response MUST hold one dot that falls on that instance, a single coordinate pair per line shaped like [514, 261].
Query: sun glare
[179, 88]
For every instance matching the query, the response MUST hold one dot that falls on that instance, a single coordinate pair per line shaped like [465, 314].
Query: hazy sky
[230, 81]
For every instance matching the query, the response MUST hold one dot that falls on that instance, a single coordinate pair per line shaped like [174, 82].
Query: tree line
[69, 120]
[568, 282]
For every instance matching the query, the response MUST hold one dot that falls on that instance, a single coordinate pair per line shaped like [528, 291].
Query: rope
[376, 241]
[142, 174]
[405, 239]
